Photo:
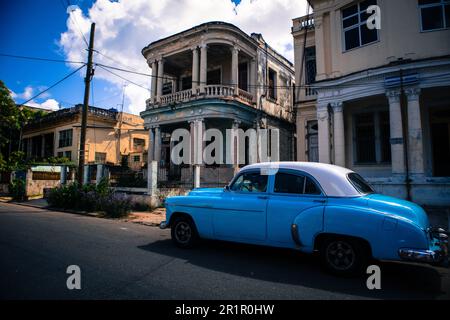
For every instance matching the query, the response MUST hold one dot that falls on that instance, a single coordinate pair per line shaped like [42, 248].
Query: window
[243, 76]
[289, 183]
[138, 143]
[295, 184]
[312, 138]
[137, 158]
[65, 138]
[434, 14]
[186, 83]
[372, 138]
[167, 88]
[100, 157]
[68, 155]
[359, 183]
[250, 182]
[272, 84]
[354, 25]
[310, 65]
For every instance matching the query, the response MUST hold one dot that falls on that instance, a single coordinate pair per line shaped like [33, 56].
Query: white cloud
[124, 27]
[29, 91]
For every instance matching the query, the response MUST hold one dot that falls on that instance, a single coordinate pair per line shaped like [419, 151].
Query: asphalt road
[120, 260]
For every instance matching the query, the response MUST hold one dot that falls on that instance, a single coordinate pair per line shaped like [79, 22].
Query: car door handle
[263, 197]
[319, 201]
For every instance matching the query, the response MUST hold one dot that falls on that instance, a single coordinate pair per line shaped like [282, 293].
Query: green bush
[17, 189]
[90, 198]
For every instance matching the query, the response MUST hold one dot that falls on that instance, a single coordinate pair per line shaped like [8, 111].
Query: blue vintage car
[310, 207]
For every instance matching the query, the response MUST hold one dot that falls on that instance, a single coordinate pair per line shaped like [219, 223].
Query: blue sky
[34, 28]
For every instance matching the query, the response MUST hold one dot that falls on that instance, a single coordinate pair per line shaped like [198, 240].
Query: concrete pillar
[86, 174]
[320, 47]
[235, 144]
[195, 69]
[235, 67]
[339, 134]
[324, 133]
[152, 178]
[197, 128]
[154, 67]
[63, 175]
[252, 87]
[203, 67]
[160, 79]
[157, 143]
[192, 134]
[99, 174]
[415, 137]
[396, 131]
[151, 145]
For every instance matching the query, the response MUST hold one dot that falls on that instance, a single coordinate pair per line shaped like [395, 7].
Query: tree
[9, 116]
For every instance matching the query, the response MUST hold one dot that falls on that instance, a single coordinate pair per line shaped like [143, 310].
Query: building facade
[214, 76]
[377, 100]
[57, 134]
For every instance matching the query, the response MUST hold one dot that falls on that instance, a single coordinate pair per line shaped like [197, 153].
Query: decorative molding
[412, 94]
[337, 106]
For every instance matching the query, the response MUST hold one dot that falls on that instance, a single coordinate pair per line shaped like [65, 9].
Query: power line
[123, 78]
[52, 86]
[39, 59]
[74, 20]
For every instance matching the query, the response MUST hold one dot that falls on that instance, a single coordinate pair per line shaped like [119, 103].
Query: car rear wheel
[183, 232]
[344, 257]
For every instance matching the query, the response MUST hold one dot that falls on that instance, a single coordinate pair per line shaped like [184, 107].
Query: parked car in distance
[310, 207]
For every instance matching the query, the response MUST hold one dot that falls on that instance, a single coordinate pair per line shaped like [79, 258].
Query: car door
[241, 215]
[294, 195]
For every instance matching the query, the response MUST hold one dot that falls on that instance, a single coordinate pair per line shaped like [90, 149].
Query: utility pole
[84, 111]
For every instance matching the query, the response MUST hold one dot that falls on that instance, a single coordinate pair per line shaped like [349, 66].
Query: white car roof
[332, 179]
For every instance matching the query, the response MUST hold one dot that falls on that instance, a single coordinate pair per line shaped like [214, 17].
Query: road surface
[124, 260]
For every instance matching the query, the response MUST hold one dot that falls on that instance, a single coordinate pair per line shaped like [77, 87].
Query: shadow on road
[399, 280]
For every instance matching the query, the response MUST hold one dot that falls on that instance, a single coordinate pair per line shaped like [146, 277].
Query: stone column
[324, 133]
[252, 87]
[203, 67]
[151, 145]
[320, 46]
[396, 132]
[154, 67]
[415, 139]
[235, 145]
[157, 144]
[99, 175]
[339, 134]
[86, 174]
[63, 175]
[152, 182]
[160, 79]
[195, 68]
[235, 67]
[198, 148]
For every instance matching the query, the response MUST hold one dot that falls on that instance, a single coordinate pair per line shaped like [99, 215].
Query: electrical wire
[74, 20]
[52, 86]
[39, 59]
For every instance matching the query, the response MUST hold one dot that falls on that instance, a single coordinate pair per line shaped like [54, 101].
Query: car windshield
[360, 184]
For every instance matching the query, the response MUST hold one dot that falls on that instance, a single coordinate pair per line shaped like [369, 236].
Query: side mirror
[226, 188]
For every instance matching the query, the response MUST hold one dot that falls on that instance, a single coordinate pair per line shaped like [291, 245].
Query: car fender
[307, 224]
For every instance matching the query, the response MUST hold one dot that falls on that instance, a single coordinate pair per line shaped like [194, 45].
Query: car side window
[250, 182]
[289, 183]
[311, 187]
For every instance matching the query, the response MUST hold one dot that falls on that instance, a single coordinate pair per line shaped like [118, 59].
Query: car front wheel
[183, 232]
[343, 256]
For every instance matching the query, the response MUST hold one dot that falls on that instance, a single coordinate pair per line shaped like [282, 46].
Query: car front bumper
[437, 254]
[163, 225]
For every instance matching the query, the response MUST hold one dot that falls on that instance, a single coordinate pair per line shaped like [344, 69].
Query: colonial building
[377, 100]
[57, 134]
[215, 76]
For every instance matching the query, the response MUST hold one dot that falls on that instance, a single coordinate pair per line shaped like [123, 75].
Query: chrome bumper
[163, 225]
[420, 255]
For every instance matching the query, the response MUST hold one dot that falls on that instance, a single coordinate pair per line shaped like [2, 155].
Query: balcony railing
[209, 91]
[305, 22]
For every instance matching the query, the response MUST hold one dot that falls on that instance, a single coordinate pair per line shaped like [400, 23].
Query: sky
[57, 29]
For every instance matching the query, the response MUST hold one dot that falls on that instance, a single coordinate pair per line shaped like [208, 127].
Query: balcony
[302, 23]
[206, 92]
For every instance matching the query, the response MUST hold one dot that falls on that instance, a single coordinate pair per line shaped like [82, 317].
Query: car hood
[206, 191]
[399, 208]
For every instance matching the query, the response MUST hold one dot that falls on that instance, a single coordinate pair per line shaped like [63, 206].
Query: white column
[151, 146]
[198, 154]
[152, 180]
[252, 88]
[160, 79]
[396, 132]
[203, 67]
[339, 134]
[154, 67]
[86, 174]
[157, 143]
[235, 145]
[99, 175]
[324, 133]
[415, 139]
[195, 75]
[63, 175]
[235, 67]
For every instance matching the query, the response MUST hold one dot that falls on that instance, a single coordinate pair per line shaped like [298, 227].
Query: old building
[215, 76]
[57, 134]
[377, 100]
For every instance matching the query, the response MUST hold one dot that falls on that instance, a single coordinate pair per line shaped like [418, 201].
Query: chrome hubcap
[183, 232]
[340, 255]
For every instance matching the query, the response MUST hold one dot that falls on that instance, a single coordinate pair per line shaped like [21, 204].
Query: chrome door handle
[319, 201]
